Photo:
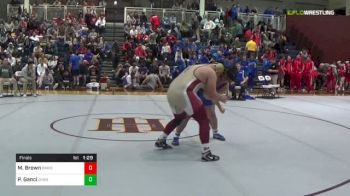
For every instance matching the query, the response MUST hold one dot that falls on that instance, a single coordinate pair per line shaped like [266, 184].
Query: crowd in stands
[153, 43]
[63, 52]
[67, 53]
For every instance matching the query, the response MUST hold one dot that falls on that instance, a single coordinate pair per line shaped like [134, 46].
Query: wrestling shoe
[175, 141]
[161, 143]
[218, 136]
[207, 156]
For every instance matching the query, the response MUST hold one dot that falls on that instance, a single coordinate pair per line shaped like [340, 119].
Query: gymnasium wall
[326, 36]
[336, 4]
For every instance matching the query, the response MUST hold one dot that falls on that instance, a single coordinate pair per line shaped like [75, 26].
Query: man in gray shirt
[6, 76]
[151, 82]
[29, 76]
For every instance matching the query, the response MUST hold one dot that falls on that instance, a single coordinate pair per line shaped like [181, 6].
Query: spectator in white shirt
[166, 50]
[129, 81]
[133, 32]
[135, 69]
[164, 73]
[40, 69]
[208, 27]
[100, 24]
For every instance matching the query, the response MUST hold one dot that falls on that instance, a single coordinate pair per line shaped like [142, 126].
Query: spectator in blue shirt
[88, 56]
[180, 63]
[241, 79]
[193, 59]
[252, 71]
[203, 59]
[74, 62]
[266, 65]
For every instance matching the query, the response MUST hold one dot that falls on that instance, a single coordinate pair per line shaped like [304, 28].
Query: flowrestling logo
[310, 12]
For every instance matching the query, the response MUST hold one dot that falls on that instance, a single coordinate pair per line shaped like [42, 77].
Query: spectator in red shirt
[347, 77]
[331, 78]
[155, 22]
[127, 49]
[342, 75]
[282, 67]
[287, 77]
[270, 54]
[307, 74]
[171, 39]
[296, 75]
[248, 34]
[140, 52]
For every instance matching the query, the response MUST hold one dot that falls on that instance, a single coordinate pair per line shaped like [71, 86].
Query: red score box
[90, 168]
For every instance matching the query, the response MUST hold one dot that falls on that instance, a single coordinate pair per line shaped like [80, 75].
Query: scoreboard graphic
[56, 170]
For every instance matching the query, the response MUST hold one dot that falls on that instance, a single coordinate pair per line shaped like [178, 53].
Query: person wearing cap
[29, 76]
[184, 102]
[6, 76]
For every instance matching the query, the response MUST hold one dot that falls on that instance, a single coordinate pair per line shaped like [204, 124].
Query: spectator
[115, 53]
[251, 48]
[71, 2]
[307, 74]
[93, 73]
[155, 22]
[241, 81]
[6, 76]
[129, 81]
[208, 27]
[74, 63]
[40, 70]
[166, 50]
[84, 70]
[273, 72]
[282, 70]
[151, 82]
[143, 19]
[28, 73]
[164, 73]
[140, 52]
[100, 25]
[296, 75]
[119, 74]
[47, 79]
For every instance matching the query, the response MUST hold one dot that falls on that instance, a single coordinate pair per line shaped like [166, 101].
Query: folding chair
[8, 86]
[262, 86]
[19, 75]
[66, 84]
[272, 88]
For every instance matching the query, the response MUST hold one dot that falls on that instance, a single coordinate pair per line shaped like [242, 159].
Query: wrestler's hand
[222, 110]
[223, 98]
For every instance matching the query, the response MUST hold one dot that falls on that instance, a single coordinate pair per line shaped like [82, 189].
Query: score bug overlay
[56, 170]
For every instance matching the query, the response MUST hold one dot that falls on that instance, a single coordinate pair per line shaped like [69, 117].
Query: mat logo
[129, 125]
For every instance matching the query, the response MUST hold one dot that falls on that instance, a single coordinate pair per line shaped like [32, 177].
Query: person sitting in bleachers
[164, 73]
[47, 80]
[151, 82]
[240, 81]
[7, 76]
[29, 77]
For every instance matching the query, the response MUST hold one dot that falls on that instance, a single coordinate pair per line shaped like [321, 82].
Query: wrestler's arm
[211, 86]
